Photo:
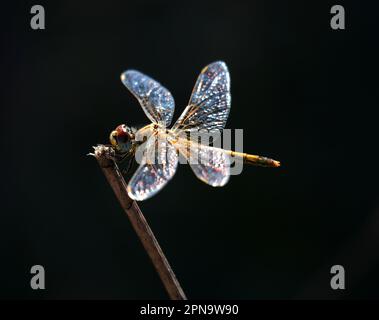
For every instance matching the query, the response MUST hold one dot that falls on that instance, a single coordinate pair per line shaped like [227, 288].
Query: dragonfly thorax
[122, 138]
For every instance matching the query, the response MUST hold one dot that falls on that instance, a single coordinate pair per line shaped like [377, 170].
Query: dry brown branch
[139, 223]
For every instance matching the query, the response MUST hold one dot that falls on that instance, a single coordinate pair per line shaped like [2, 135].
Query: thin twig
[139, 223]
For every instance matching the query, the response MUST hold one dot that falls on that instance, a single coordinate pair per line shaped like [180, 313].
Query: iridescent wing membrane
[209, 105]
[156, 100]
[158, 166]
[160, 159]
[210, 165]
[208, 109]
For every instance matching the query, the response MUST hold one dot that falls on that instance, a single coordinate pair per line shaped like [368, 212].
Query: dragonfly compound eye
[123, 135]
[120, 138]
[113, 138]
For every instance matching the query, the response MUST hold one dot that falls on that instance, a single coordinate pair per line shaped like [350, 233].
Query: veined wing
[158, 165]
[210, 101]
[211, 165]
[156, 101]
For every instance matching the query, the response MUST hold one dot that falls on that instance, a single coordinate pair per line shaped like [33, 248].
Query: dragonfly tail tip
[276, 163]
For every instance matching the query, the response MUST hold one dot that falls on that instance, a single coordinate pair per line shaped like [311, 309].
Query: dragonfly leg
[130, 165]
[109, 151]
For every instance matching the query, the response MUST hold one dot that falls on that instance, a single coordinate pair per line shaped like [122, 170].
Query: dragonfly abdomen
[255, 160]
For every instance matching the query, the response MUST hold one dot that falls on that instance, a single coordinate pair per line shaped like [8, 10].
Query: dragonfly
[207, 110]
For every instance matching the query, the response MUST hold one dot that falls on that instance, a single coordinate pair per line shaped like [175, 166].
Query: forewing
[210, 102]
[211, 165]
[158, 165]
[156, 101]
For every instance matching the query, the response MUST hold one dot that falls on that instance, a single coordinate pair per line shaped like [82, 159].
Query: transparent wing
[210, 101]
[158, 165]
[211, 165]
[156, 100]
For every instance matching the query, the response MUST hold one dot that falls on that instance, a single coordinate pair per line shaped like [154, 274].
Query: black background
[303, 93]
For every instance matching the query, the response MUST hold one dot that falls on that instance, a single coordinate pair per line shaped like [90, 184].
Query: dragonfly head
[121, 138]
